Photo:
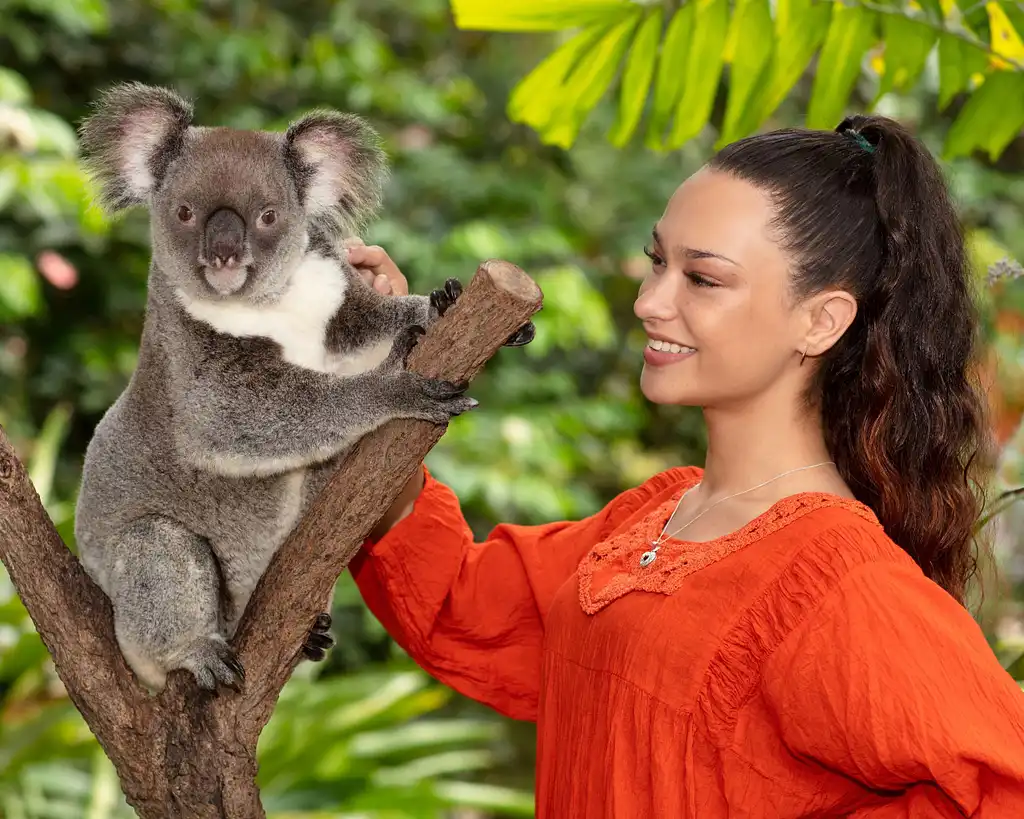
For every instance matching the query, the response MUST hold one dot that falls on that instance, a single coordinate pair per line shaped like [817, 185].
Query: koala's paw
[403, 344]
[319, 639]
[211, 661]
[523, 336]
[433, 399]
[442, 299]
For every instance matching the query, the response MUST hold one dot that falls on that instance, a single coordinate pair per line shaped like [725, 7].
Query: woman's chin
[658, 389]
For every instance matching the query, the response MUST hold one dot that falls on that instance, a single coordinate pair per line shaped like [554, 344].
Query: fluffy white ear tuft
[339, 169]
[131, 138]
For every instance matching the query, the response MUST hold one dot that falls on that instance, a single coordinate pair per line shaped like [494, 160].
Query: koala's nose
[224, 238]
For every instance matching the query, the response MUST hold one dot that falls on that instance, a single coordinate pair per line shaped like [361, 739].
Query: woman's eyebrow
[693, 253]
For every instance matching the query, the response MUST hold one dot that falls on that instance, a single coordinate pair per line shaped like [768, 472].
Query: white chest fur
[297, 321]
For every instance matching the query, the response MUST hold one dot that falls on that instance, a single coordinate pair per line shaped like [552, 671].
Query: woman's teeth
[667, 347]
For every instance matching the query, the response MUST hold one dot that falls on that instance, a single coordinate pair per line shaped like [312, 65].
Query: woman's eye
[654, 257]
[700, 281]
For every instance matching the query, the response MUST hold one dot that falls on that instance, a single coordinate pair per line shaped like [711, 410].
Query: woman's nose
[657, 299]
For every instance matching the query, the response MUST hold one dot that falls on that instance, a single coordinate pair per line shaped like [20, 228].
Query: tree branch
[186, 753]
[71, 614]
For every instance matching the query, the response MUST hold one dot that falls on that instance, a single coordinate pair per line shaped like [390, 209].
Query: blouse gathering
[801, 666]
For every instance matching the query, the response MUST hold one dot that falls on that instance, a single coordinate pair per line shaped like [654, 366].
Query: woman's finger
[375, 260]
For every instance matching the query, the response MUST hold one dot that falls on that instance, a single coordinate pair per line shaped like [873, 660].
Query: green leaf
[800, 29]
[587, 84]
[52, 133]
[636, 78]
[42, 465]
[907, 46]
[990, 119]
[850, 35]
[703, 69]
[958, 62]
[536, 15]
[20, 292]
[487, 797]
[668, 84]
[752, 30]
[14, 89]
[534, 99]
[578, 317]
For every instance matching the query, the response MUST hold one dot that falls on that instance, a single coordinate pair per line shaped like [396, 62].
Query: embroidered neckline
[677, 558]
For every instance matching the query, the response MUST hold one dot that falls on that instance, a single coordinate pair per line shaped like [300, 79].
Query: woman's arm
[473, 613]
[891, 684]
[401, 507]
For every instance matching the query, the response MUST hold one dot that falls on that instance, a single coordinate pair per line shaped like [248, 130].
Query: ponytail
[866, 208]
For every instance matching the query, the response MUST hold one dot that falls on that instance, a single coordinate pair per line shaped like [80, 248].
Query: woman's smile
[660, 352]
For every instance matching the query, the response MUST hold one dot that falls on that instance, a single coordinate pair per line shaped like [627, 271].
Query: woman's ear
[829, 315]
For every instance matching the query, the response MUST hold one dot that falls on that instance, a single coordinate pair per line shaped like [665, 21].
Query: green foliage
[850, 33]
[704, 61]
[767, 51]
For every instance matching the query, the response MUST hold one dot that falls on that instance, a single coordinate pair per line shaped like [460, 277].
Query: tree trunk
[186, 753]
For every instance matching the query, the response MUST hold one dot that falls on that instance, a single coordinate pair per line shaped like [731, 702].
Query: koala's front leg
[390, 315]
[164, 588]
[425, 310]
[276, 418]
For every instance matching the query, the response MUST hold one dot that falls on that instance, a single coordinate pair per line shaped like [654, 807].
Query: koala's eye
[268, 217]
[185, 213]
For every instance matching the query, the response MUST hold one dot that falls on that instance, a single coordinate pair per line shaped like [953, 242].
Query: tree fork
[186, 753]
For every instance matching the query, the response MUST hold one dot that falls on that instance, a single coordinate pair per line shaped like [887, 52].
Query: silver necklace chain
[648, 557]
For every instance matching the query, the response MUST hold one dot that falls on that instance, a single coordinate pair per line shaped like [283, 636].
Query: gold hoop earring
[803, 357]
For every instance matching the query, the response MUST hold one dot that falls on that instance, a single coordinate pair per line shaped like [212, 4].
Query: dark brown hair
[865, 208]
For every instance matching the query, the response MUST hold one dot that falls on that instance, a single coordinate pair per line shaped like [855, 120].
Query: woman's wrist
[402, 506]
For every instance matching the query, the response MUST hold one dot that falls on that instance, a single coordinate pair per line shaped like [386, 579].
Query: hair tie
[861, 140]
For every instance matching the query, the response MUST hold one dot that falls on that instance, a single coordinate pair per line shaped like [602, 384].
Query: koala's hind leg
[165, 589]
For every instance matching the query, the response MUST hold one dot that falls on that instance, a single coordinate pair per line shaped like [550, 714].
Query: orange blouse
[801, 666]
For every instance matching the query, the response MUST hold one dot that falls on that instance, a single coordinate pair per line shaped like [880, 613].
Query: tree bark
[186, 753]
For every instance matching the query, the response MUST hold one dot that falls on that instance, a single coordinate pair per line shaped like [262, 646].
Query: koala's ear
[339, 168]
[130, 139]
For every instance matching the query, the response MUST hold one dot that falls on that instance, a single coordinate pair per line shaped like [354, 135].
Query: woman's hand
[377, 268]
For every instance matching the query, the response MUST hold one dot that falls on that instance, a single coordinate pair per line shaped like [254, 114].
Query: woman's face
[718, 291]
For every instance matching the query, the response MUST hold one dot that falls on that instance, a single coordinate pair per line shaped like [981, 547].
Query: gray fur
[244, 397]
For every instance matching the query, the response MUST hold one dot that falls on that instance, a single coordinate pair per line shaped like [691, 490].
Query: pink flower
[57, 270]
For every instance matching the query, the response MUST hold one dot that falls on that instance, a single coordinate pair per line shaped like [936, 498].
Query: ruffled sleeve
[473, 614]
[891, 684]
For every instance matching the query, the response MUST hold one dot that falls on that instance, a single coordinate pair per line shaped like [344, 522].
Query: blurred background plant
[562, 426]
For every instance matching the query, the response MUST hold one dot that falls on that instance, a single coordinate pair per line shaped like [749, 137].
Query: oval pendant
[647, 558]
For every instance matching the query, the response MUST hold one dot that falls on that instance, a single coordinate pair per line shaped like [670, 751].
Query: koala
[264, 356]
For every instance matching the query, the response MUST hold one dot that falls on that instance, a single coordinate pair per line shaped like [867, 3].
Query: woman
[780, 633]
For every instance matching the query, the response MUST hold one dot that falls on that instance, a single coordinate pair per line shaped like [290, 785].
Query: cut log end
[512, 280]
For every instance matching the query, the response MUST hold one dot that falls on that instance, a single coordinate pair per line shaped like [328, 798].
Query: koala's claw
[211, 661]
[442, 299]
[319, 640]
[443, 390]
[453, 287]
[524, 335]
[404, 343]
[445, 399]
[232, 662]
